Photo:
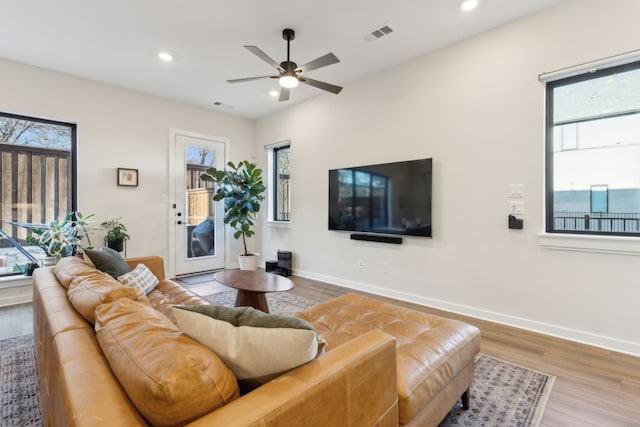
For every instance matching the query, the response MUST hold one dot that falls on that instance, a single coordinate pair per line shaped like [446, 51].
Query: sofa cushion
[71, 267]
[256, 346]
[169, 377]
[140, 278]
[107, 260]
[92, 288]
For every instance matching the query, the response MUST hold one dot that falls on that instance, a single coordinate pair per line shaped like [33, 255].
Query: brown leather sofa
[351, 385]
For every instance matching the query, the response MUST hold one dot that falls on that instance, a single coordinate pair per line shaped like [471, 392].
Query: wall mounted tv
[389, 198]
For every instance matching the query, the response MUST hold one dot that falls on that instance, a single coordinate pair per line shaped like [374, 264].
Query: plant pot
[248, 262]
[116, 245]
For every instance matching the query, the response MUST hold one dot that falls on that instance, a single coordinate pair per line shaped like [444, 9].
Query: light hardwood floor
[593, 387]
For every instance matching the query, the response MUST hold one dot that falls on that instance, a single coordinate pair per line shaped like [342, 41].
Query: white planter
[248, 262]
[49, 261]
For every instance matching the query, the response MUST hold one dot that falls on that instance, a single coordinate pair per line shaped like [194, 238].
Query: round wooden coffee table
[253, 286]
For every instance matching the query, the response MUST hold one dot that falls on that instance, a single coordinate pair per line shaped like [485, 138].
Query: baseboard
[568, 334]
[16, 291]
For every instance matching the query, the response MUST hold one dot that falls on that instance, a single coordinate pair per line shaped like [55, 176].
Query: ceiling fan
[289, 74]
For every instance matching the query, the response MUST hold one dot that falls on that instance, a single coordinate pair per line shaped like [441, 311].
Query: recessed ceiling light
[468, 5]
[165, 56]
[274, 93]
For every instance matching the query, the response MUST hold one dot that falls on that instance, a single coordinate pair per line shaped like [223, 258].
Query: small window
[280, 188]
[593, 152]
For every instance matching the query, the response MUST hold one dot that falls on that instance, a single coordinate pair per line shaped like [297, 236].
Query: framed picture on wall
[128, 177]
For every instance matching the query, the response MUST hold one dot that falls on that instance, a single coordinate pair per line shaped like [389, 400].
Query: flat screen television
[389, 198]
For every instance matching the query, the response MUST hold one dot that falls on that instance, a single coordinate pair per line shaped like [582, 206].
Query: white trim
[592, 66]
[278, 224]
[583, 337]
[619, 245]
[15, 290]
[277, 144]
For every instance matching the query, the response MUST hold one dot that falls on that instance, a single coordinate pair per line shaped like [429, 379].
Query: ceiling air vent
[220, 104]
[379, 33]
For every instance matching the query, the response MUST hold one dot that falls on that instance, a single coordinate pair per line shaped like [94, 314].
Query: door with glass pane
[198, 220]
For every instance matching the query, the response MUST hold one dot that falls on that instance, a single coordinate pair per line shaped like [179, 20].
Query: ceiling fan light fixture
[468, 5]
[288, 81]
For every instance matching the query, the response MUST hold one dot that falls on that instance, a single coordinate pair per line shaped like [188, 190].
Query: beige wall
[477, 109]
[119, 128]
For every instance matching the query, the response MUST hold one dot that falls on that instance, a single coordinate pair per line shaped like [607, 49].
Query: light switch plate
[516, 190]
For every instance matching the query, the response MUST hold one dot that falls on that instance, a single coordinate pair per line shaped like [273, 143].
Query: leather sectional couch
[359, 381]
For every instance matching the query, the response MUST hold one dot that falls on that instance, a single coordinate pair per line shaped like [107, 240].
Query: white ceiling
[117, 41]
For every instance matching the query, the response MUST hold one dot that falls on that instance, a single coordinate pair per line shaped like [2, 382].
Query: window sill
[279, 224]
[582, 243]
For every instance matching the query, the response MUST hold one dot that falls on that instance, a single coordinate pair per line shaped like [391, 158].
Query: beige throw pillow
[256, 346]
[140, 278]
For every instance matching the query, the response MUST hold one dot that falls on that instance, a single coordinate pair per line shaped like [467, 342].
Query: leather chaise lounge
[383, 365]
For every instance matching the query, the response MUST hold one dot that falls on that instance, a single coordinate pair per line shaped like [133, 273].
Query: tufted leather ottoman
[435, 355]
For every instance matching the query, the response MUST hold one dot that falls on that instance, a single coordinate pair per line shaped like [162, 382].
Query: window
[593, 152]
[37, 166]
[280, 179]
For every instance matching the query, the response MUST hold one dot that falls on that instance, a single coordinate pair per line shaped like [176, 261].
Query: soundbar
[376, 238]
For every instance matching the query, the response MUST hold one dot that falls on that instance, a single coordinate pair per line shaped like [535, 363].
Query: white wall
[477, 109]
[119, 128]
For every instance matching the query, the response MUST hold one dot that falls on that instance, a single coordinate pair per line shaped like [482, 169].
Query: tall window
[37, 170]
[593, 152]
[280, 179]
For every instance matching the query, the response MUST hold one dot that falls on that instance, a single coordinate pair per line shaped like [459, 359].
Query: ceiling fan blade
[284, 94]
[323, 61]
[266, 58]
[321, 85]
[248, 79]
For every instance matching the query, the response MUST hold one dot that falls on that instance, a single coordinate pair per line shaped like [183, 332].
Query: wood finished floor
[593, 387]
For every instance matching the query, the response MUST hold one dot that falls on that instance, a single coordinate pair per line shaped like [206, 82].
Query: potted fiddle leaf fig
[242, 189]
[116, 234]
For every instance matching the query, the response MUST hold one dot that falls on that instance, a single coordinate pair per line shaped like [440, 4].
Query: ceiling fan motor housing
[288, 34]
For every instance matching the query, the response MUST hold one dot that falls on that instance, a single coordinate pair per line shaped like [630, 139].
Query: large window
[37, 185]
[280, 182]
[593, 152]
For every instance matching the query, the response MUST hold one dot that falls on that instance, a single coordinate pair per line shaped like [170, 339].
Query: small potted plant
[116, 234]
[241, 187]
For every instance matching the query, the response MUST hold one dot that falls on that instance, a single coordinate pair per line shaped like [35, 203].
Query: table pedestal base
[256, 300]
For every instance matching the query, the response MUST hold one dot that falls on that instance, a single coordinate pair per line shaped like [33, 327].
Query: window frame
[272, 173]
[73, 173]
[587, 73]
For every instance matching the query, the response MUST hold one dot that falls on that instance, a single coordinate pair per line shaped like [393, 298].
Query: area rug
[279, 302]
[503, 394]
[19, 391]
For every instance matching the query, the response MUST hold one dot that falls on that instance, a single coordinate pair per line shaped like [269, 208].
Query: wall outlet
[360, 264]
[516, 208]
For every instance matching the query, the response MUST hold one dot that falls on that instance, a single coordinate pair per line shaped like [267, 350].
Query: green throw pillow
[256, 346]
[108, 260]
